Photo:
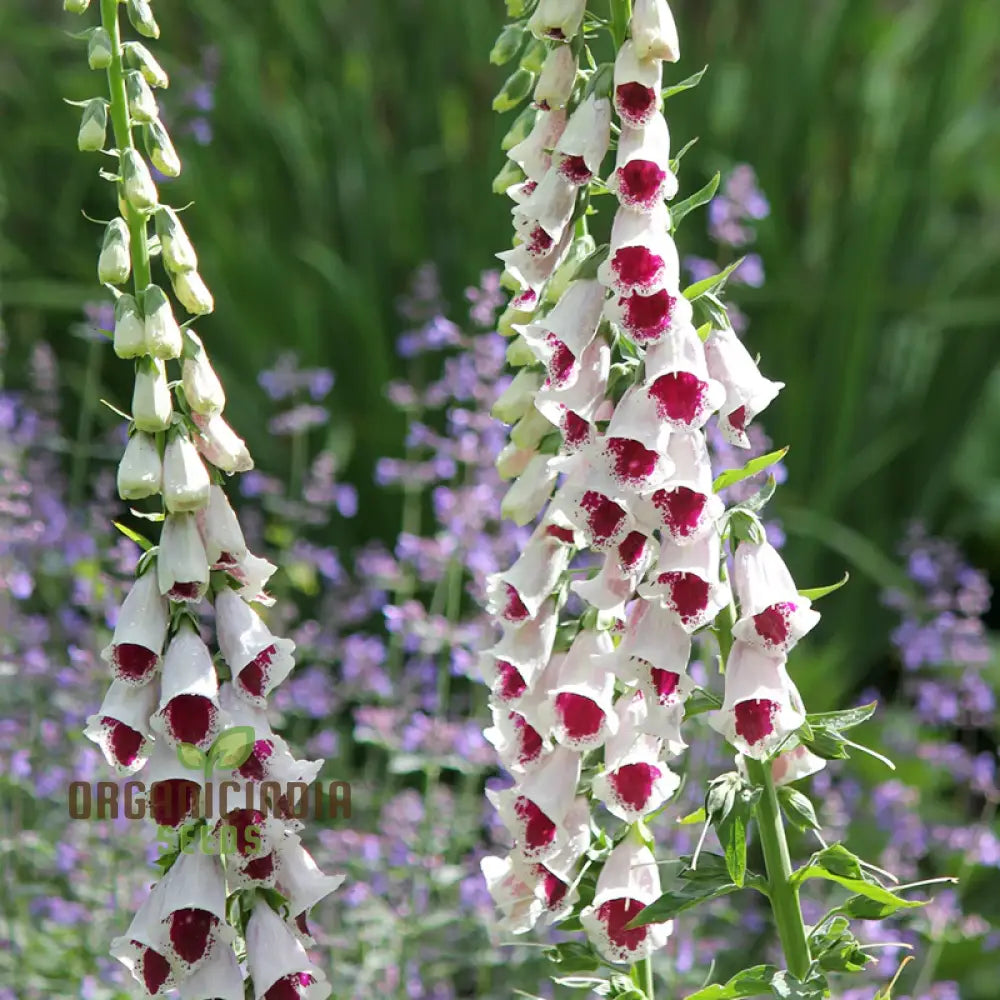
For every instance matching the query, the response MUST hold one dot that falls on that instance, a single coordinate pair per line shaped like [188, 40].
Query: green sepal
[732, 476]
[508, 44]
[753, 982]
[797, 808]
[515, 89]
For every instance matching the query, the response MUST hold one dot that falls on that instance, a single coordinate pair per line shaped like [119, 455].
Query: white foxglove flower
[186, 484]
[121, 725]
[582, 146]
[134, 650]
[512, 461]
[252, 572]
[531, 490]
[202, 388]
[596, 505]
[140, 471]
[93, 127]
[520, 746]
[175, 246]
[225, 546]
[192, 292]
[141, 949]
[774, 616]
[677, 378]
[218, 978]
[557, 19]
[637, 85]
[531, 271]
[761, 707]
[686, 506]
[653, 31]
[279, 966]
[642, 177]
[299, 878]
[181, 563]
[534, 153]
[173, 792]
[140, 191]
[747, 391]
[258, 660]
[628, 883]
[643, 257]
[555, 82]
[544, 216]
[524, 650]
[583, 396]
[647, 319]
[624, 566]
[152, 408]
[115, 262]
[515, 898]
[221, 445]
[518, 593]
[634, 449]
[130, 328]
[189, 694]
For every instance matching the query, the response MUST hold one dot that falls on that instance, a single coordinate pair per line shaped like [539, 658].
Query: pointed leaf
[691, 81]
[701, 197]
[753, 982]
[865, 908]
[797, 808]
[846, 719]
[787, 987]
[712, 282]
[815, 593]
[144, 543]
[755, 465]
[231, 748]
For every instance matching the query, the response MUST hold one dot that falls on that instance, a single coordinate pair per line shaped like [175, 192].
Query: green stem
[621, 14]
[642, 976]
[122, 125]
[783, 894]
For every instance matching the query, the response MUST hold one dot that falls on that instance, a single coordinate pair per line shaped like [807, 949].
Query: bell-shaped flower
[250, 824]
[643, 257]
[515, 897]
[534, 153]
[519, 743]
[134, 650]
[555, 82]
[152, 407]
[189, 692]
[634, 448]
[114, 264]
[557, 19]
[583, 397]
[677, 378]
[535, 810]
[624, 566]
[686, 580]
[186, 484]
[130, 329]
[162, 334]
[279, 966]
[192, 292]
[258, 660]
[542, 219]
[793, 765]
[217, 978]
[173, 791]
[121, 725]
[596, 505]
[202, 388]
[141, 948]
[140, 471]
[628, 883]
[647, 319]
[175, 245]
[637, 85]
[518, 593]
[642, 176]
[774, 616]
[252, 573]
[530, 271]
[181, 563]
[762, 706]
[299, 878]
[583, 145]
[653, 31]
[635, 782]
[530, 491]
[220, 444]
[747, 391]
[523, 652]
[221, 532]
[579, 710]
[686, 506]
[193, 915]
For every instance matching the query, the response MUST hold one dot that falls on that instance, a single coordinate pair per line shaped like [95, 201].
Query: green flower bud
[580, 249]
[507, 45]
[140, 14]
[151, 404]
[510, 174]
[516, 88]
[519, 397]
[520, 130]
[177, 249]
[115, 263]
[534, 57]
[141, 103]
[510, 318]
[163, 335]
[140, 473]
[192, 292]
[76, 6]
[140, 58]
[515, 8]
[99, 49]
[530, 429]
[160, 149]
[93, 126]
[202, 388]
[519, 353]
[130, 331]
[139, 187]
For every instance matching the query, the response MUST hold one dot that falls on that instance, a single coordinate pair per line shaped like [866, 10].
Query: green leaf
[691, 81]
[755, 465]
[714, 281]
[815, 593]
[837, 864]
[839, 721]
[701, 701]
[675, 162]
[824, 743]
[573, 956]
[786, 986]
[866, 908]
[144, 543]
[693, 886]
[190, 756]
[701, 197]
[753, 982]
[231, 748]
[695, 818]
[729, 806]
[797, 808]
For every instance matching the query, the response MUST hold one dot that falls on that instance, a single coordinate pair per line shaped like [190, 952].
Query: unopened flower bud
[140, 473]
[559, 19]
[163, 335]
[181, 564]
[653, 31]
[140, 58]
[202, 388]
[516, 400]
[130, 331]
[99, 49]
[515, 89]
[177, 249]
[186, 483]
[140, 14]
[530, 429]
[555, 83]
[520, 130]
[161, 150]
[141, 103]
[139, 187]
[507, 45]
[519, 353]
[512, 461]
[510, 174]
[151, 404]
[534, 57]
[192, 292]
[76, 6]
[221, 445]
[115, 264]
[93, 126]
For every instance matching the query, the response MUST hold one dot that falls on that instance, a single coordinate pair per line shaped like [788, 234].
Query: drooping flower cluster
[619, 373]
[171, 701]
